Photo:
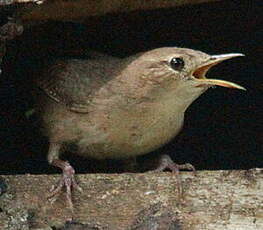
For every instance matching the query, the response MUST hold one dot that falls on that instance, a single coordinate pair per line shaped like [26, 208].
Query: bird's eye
[177, 63]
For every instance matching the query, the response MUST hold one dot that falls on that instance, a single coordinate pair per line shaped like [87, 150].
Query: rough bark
[222, 200]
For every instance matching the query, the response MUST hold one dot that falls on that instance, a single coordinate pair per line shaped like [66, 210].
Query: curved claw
[67, 180]
[165, 162]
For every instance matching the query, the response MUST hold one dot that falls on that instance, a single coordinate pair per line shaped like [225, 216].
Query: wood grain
[222, 200]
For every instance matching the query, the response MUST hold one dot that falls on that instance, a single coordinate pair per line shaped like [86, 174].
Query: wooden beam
[79, 10]
[221, 200]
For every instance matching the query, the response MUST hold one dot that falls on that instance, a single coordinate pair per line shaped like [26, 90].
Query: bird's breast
[129, 132]
[152, 127]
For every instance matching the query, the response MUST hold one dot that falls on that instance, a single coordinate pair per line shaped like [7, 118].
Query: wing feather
[72, 82]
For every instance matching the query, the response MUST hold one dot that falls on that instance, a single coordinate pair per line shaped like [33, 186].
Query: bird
[106, 107]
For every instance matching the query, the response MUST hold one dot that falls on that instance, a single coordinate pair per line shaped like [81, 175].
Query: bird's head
[181, 69]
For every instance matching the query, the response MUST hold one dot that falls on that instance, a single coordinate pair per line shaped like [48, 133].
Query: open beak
[199, 73]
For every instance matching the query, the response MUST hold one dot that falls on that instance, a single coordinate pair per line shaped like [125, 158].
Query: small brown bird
[121, 108]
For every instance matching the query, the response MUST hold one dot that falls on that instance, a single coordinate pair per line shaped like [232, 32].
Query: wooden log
[221, 200]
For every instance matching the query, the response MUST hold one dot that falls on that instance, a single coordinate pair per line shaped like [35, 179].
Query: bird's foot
[165, 162]
[67, 180]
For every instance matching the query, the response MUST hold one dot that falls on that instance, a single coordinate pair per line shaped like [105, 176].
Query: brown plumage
[121, 108]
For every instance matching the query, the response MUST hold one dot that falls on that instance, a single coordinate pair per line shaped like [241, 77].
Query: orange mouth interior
[200, 72]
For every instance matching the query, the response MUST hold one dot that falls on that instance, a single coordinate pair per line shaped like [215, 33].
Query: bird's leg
[68, 172]
[165, 162]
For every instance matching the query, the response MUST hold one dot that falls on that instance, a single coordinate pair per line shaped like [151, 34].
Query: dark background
[223, 128]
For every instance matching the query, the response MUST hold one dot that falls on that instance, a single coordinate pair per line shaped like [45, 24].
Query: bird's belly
[124, 137]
